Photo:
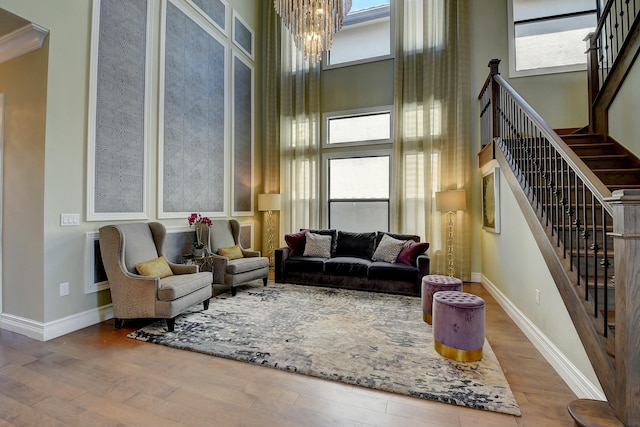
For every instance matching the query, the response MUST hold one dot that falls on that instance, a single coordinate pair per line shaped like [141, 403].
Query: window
[357, 183]
[366, 34]
[547, 36]
[358, 127]
[359, 193]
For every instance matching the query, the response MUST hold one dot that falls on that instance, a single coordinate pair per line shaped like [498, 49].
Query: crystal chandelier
[312, 23]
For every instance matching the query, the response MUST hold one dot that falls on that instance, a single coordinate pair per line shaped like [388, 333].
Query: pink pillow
[410, 252]
[295, 242]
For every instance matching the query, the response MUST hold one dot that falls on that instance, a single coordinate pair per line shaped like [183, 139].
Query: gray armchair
[234, 272]
[135, 296]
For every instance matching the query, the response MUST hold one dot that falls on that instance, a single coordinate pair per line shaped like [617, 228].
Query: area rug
[367, 339]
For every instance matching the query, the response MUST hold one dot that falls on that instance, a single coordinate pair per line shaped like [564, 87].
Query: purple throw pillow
[295, 241]
[410, 252]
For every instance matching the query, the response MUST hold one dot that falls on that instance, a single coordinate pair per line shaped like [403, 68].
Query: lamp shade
[269, 202]
[451, 201]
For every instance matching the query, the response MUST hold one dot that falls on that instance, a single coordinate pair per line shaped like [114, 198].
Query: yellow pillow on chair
[234, 252]
[158, 267]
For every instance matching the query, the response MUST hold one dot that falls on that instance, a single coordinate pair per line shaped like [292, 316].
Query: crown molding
[21, 41]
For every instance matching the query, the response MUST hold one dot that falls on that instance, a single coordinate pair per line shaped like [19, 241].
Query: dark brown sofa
[351, 266]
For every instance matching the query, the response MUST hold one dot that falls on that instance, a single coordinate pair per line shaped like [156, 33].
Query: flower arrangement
[199, 222]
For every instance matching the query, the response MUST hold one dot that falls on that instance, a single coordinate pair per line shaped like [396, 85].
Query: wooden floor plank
[98, 376]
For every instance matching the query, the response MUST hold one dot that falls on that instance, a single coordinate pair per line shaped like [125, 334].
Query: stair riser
[618, 177]
[615, 163]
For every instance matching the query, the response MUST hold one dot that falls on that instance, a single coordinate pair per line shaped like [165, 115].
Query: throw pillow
[410, 252]
[388, 249]
[158, 267]
[295, 242]
[317, 245]
[233, 252]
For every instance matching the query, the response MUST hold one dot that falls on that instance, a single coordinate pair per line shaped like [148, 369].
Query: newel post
[593, 85]
[495, 98]
[626, 246]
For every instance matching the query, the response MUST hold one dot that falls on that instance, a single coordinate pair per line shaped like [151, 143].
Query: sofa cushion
[242, 265]
[347, 266]
[295, 242]
[359, 245]
[410, 252]
[388, 249]
[232, 252]
[179, 285]
[380, 270]
[332, 233]
[379, 235]
[303, 264]
[158, 267]
[317, 245]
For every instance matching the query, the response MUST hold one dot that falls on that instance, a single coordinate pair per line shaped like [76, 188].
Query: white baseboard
[50, 330]
[577, 382]
[476, 277]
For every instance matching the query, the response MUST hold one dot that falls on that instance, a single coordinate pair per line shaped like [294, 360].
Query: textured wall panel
[194, 102]
[242, 137]
[119, 163]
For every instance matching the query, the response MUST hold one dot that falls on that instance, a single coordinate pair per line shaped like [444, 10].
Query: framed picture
[491, 200]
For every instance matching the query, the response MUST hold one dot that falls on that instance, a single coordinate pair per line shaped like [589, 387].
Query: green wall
[47, 175]
[624, 126]
[24, 84]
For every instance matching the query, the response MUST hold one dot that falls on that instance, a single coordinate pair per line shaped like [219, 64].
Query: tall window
[366, 34]
[357, 184]
[359, 193]
[547, 36]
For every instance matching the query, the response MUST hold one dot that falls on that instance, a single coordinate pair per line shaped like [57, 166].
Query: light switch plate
[69, 220]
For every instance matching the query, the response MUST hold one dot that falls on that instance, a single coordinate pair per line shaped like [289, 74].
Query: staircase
[580, 194]
[613, 164]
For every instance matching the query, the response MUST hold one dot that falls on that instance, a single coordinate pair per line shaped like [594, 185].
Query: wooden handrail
[577, 165]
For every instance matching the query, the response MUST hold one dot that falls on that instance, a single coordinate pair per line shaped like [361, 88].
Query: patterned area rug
[367, 339]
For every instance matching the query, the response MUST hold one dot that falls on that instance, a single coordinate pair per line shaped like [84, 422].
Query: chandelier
[312, 23]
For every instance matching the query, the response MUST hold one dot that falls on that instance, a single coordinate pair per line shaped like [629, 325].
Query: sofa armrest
[424, 264]
[250, 254]
[183, 268]
[219, 268]
[280, 255]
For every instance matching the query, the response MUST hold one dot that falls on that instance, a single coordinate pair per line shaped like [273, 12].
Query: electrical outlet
[538, 296]
[64, 289]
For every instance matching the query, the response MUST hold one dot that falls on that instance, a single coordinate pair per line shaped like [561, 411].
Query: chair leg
[117, 323]
[171, 324]
[264, 280]
[205, 303]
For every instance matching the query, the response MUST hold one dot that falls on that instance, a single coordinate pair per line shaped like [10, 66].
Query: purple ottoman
[433, 283]
[458, 325]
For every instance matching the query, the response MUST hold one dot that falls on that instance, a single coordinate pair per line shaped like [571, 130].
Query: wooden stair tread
[593, 413]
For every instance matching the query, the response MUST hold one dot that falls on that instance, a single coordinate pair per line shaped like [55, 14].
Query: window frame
[392, 43]
[537, 71]
[326, 117]
[327, 156]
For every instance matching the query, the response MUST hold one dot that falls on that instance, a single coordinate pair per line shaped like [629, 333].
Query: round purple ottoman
[433, 283]
[458, 325]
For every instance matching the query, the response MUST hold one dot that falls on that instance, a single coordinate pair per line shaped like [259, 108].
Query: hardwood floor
[98, 377]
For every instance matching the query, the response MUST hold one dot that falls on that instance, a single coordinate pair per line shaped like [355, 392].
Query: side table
[205, 262]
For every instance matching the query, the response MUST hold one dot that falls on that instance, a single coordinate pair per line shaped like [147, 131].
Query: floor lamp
[450, 202]
[269, 203]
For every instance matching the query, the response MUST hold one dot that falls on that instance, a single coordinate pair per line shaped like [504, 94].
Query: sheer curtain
[292, 136]
[432, 117]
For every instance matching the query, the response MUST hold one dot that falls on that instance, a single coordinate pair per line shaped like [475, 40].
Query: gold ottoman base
[457, 354]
